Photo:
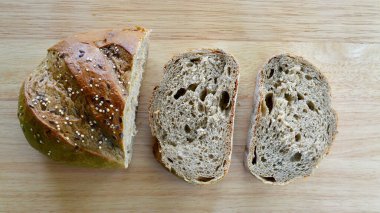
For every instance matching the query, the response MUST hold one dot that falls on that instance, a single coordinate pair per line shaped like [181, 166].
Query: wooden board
[341, 38]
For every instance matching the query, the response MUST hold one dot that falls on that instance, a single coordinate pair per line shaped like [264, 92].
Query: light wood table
[340, 37]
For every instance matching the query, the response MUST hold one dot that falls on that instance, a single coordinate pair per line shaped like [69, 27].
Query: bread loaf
[293, 123]
[78, 106]
[192, 115]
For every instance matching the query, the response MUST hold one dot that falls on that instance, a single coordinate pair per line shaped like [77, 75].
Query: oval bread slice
[293, 124]
[192, 114]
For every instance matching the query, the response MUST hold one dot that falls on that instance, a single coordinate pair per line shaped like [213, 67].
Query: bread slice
[192, 115]
[78, 106]
[293, 124]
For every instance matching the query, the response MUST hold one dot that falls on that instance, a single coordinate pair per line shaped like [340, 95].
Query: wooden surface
[342, 38]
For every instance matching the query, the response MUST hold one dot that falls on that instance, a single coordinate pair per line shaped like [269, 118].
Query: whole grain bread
[78, 106]
[192, 115]
[293, 123]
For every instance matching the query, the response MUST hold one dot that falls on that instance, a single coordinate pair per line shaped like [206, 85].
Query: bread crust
[229, 140]
[85, 62]
[258, 98]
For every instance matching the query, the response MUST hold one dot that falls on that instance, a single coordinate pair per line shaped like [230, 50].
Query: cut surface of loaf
[78, 106]
[293, 124]
[192, 114]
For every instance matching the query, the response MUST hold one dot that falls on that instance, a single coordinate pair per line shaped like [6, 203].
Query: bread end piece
[78, 106]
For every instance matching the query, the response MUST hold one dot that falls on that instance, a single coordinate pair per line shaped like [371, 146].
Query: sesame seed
[100, 147]
[70, 123]
[117, 110]
[100, 142]
[82, 136]
[111, 105]
[65, 122]
[92, 136]
[75, 144]
[92, 130]
[81, 89]
[67, 138]
[100, 79]
[67, 118]
[41, 142]
[108, 110]
[49, 153]
[90, 85]
[43, 116]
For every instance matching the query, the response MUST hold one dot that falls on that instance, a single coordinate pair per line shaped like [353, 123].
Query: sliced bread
[293, 124]
[192, 115]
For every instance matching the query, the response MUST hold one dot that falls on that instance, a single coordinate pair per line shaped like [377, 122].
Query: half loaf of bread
[78, 106]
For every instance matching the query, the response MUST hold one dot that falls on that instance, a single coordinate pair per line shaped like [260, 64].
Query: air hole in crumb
[284, 150]
[211, 156]
[191, 103]
[170, 93]
[187, 128]
[311, 106]
[280, 69]
[229, 70]
[189, 64]
[203, 94]
[328, 129]
[201, 108]
[180, 93]
[271, 73]
[254, 160]
[224, 162]
[215, 80]
[195, 60]
[269, 101]
[304, 110]
[170, 160]
[205, 179]
[288, 97]
[308, 77]
[190, 140]
[286, 71]
[270, 179]
[224, 100]
[192, 87]
[298, 137]
[296, 157]
[299, 96]
[263, 159]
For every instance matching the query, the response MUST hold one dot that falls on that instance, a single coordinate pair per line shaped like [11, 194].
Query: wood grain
[341, 38]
